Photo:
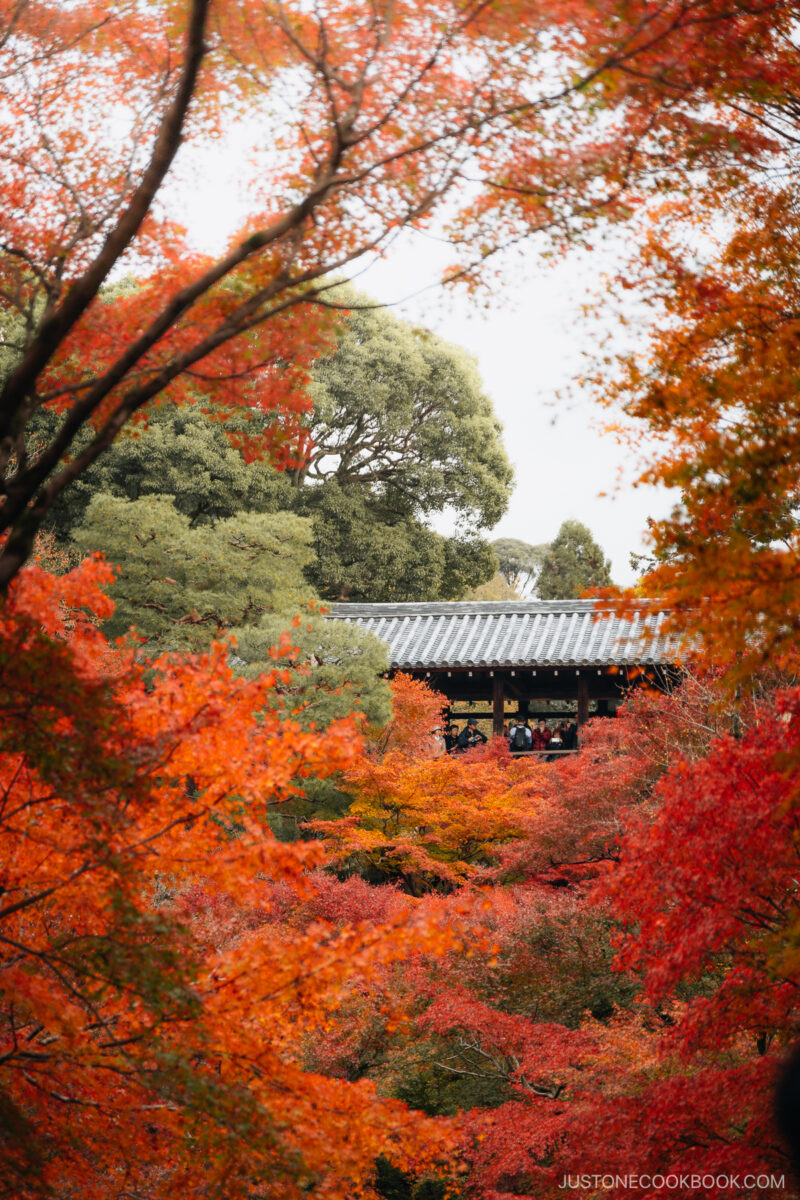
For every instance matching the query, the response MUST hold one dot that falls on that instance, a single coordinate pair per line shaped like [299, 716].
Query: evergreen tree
[573, 564]
[333, 667]
[401, 416]
[181, 453]
[365, 550]
[182, 586]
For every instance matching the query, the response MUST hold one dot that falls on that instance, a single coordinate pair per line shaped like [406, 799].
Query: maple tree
[720, 396]
[139, 1048]
[711, 392]
[574, 816]
[671, 1070]
[420, 816]
[553, 1058]
[81, 202]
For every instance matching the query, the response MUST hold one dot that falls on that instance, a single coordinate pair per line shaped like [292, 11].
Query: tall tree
[719, 392]
[573, 564]
[401, 415]
[401, 429]
[367, 550]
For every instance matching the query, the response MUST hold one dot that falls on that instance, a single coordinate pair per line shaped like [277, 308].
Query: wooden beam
[498, 705]
[532, 714]
[583, 699]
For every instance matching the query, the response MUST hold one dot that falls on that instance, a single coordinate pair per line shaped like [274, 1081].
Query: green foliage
[182, 586]
[401, 415]
[363, 551]
[520, 563]
[468, 562]
[401, 429]
[442, 1079]
[573, 564]
[12, 337]
[393, 1184]
[181, 453]
[336, 668]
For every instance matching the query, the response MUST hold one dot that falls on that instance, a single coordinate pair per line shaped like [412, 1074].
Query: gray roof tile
[543, 633]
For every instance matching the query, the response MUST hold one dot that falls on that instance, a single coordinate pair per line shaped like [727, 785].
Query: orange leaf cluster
[139, 1050]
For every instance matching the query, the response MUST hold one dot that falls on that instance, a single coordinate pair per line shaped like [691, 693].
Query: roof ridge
[445, 607]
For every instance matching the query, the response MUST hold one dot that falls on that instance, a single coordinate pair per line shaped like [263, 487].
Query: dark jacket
[470, 736]
[570, 735]
[555, 743]
[528, 740]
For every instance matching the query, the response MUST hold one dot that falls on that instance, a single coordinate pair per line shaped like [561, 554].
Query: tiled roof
[535, 633]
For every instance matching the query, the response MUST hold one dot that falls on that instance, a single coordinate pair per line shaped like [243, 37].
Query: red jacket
[541, 738]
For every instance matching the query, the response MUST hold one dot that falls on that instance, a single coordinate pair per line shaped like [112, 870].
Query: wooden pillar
[583, 700]
[498, 705]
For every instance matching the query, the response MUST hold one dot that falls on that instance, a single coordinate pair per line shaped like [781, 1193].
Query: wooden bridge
[577, 654]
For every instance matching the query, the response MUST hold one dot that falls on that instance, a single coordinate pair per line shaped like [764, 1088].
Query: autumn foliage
[488, 974]
[152, 1032]
[518, 961]
[419, 816]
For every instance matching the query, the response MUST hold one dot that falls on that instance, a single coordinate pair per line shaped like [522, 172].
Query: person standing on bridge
[520, 736]
[470, 735]
[541, 735]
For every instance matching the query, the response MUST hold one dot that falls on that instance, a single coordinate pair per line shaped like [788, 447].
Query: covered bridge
[576, 653]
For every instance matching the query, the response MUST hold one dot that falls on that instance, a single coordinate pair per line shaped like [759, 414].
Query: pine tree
[574, 564]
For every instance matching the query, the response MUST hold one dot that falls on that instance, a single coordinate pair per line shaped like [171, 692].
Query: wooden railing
[541, 752]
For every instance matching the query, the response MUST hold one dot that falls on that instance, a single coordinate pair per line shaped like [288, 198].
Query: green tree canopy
[401, 415]
[182, 585]
[334, 668]
[181, 453]
[574, 563]
[364, 551]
